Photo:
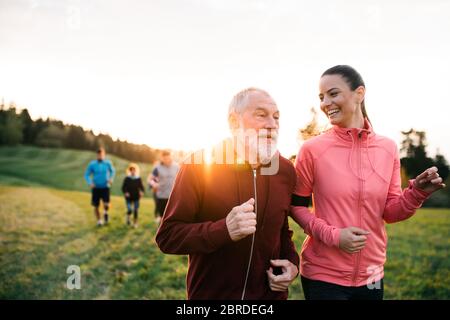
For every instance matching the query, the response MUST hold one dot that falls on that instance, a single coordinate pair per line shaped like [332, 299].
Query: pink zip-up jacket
[354, 178]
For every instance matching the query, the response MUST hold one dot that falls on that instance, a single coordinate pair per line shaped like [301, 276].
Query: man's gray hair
[240, 100]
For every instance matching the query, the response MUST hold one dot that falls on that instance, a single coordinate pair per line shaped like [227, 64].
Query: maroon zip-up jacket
[194, 223]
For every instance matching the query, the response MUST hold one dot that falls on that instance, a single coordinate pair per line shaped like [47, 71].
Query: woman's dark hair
[352, 77]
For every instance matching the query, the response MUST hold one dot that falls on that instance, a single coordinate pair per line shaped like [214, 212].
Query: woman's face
[340, 104]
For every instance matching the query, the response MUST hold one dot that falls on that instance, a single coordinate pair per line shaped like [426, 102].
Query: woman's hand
[429, 180]
[352, 239]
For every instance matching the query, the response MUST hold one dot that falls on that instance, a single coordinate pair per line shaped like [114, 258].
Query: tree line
[17, 127]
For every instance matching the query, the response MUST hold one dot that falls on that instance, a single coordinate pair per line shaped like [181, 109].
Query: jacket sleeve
[315, 227]
[141, 185]
[87, 174]
[124, 185]
[312, 225]
[400, 205]
[288, 250]
[179, 232]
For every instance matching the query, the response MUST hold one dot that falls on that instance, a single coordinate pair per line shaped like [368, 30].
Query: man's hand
[127, 194]
[241, 221]
[281, 282]
[352, 239]
[429, 180]
[92, 185]
[110, 182]
[141, 194]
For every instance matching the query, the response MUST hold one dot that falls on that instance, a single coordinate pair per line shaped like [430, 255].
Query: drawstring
[351, 154]
[371, 164]
[368, 157]
[238, 186]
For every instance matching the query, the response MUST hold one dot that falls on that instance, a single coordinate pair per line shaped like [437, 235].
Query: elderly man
[229, 214]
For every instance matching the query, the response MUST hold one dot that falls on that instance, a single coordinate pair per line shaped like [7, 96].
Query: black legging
[320, 290]
[161, 206]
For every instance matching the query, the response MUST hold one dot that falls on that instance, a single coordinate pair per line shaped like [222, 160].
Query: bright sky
[162, 72]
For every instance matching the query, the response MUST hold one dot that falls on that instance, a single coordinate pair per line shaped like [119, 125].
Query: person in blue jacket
[99, 175]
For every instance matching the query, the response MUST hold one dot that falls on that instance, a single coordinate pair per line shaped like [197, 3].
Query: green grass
[57, 168]
[44, 229]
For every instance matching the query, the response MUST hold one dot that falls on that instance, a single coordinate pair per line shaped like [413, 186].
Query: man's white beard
[260, 149]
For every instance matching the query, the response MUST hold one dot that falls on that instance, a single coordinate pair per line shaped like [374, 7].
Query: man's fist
[241, 221]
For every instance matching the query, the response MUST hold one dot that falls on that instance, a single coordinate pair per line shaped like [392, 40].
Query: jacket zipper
[253, 236]
[361, 189]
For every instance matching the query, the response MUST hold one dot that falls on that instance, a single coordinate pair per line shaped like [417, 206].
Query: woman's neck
[356, 122]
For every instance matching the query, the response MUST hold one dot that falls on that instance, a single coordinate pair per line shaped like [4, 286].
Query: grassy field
[43, 230]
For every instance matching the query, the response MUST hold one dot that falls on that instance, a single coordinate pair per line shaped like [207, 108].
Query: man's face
[259, 122]
[101, 155]
[261, 113]
[166, 160]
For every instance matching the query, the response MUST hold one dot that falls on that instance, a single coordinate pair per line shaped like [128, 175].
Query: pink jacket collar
[350, 134]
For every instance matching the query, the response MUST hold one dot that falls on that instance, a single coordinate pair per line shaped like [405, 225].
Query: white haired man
[230, 215]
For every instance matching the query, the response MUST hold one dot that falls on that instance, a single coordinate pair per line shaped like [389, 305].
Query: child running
[133, 190]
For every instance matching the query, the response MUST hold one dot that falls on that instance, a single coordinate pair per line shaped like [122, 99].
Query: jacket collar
[350, 134]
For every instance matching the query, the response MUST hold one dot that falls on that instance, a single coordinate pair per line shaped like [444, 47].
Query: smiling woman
[353, 174]
[342, 93]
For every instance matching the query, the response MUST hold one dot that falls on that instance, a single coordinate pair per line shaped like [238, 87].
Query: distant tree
[91, 140]
[443, 167]
[51, 137]
[415, 161]
[77, 138]
[11, 126]
[38, 126]
[311, 129]
[413, 146]
[28, 124]
[106, 142]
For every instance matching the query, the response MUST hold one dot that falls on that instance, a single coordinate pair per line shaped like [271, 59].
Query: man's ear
[360, 94]
[233, 121]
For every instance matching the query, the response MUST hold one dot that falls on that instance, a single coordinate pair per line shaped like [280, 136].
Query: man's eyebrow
[260, 109]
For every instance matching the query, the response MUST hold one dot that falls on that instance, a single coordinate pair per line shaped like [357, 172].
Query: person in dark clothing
[231, 215]
[133, 190]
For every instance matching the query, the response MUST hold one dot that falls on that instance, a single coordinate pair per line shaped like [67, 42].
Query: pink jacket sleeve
[400, 205]
[313, 226]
